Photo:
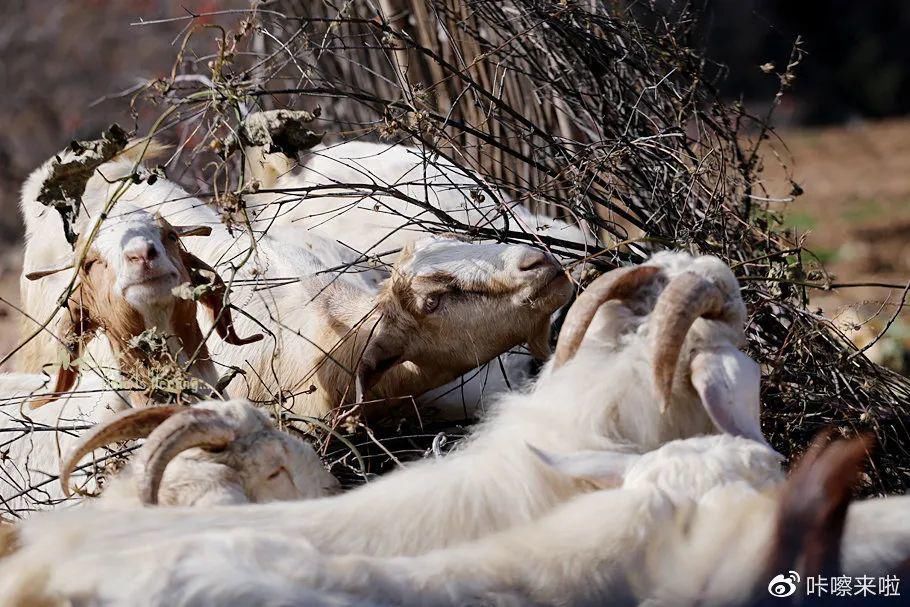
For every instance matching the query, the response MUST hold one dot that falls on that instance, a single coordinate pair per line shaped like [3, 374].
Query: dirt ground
[854, 214]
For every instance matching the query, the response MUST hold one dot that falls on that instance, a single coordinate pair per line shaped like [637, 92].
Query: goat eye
[431, 302]
[172, 236]
[276, 473]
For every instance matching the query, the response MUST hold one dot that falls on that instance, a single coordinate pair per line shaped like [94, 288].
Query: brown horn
[616, 284]
[685, 299]
[214, 300]
[126, 425]
[192, 428]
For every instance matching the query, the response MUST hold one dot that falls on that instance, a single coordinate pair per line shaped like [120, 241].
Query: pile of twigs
[588, 110]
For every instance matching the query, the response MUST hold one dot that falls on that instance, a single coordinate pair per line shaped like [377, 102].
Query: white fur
[491, 483]
[28, 475]
[297, 313]
[581, 553]
[243, 472]
[372, 221]
[238, 474]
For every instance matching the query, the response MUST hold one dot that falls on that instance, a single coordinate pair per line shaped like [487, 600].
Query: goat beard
[153, 364]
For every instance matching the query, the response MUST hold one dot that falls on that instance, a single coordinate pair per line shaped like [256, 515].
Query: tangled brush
[596, 111]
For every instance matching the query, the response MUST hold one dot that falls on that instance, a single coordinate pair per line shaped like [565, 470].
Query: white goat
[447, 307]
[41, 444]
[602, 397]
[419, 330]
[701, 521]
[124, 285]
[212, 453]
[375, 196]
[586, 552]
[582, 550]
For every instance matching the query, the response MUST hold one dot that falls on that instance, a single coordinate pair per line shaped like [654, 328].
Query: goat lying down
[374, 196]
[418, 330]
[583, 552]
[494, 482]
[213, 453]
[700, 521]
[448, 306]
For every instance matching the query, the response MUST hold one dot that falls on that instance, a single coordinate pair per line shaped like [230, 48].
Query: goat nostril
[142, 255]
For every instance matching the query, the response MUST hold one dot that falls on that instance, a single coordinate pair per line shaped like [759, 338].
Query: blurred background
[68, 68]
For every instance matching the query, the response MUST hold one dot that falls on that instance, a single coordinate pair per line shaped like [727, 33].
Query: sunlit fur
[447, 307]
[369, 221]
[325, 313]
[373, 221]
[589, 551]
[580, 550]
[262, 464]
[618, 352]
[603, 399]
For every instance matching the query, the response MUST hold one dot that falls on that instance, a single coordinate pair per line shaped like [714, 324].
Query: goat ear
[38, 274]
[73, 329]
[813, 506]
[606, 469]
[193, 230]
[385, 349]
[201, 274]
[727, 381]
[266, 167]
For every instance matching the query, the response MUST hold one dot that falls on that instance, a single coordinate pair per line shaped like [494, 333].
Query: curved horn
[191, 428]
[616, 284]
[685, 299]
[129, 424]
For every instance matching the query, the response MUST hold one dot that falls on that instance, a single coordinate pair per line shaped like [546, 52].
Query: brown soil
[854, 215]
